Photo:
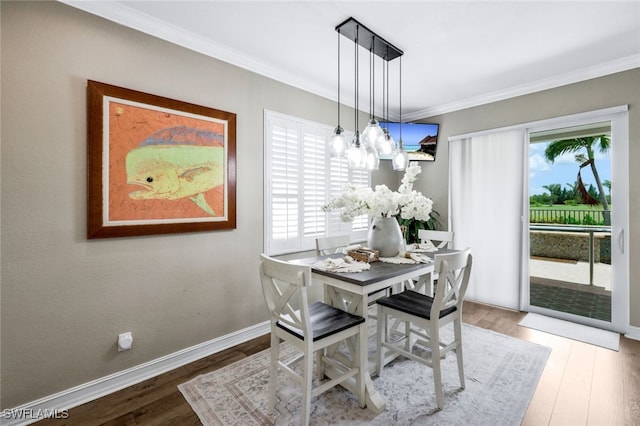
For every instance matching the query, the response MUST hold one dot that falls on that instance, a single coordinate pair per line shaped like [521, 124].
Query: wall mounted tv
[420, 140]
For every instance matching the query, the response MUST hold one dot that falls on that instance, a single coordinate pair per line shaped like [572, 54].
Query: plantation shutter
[314, 182]
[284, 180]
[300, 177]
[338, 177]
[361, 223]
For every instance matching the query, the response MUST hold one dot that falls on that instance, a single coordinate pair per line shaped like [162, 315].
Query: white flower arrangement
[406, 203]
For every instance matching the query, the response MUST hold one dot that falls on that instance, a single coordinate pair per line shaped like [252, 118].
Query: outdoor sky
[564, 170]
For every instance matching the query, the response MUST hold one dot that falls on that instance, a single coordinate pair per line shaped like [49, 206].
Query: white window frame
[298, 167]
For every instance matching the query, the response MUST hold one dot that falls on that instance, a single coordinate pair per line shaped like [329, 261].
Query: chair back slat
[285, 291]
[454, 270]
[440, 239]
[330, 245]
[283, 305]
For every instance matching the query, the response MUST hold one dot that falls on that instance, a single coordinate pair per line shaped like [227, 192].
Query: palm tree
[555, 190]
[578, 146]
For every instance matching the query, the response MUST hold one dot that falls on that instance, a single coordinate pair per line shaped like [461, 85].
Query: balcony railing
[540, 246]
[567, 217]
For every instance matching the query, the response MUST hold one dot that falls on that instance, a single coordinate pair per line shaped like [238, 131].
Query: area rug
[501, 375]
[583, 333]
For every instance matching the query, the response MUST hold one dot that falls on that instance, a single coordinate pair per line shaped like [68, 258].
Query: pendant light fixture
[338, 144]
[385, 144]
[400, 158]
[366, 147]
[372, 132]
[356, 154]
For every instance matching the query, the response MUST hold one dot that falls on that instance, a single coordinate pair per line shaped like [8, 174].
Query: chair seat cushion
[326, 320]
[413, 303]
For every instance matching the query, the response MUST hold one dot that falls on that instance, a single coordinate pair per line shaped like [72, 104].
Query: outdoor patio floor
[564, 286]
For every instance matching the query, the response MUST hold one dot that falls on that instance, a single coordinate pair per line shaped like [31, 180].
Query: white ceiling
[456, 54]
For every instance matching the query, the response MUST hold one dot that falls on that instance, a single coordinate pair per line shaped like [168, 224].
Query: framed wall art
[157, 165]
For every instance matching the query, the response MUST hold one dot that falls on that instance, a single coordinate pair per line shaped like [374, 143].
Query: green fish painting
[176, 163]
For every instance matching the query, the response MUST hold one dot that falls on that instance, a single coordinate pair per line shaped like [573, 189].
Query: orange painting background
[128, 127]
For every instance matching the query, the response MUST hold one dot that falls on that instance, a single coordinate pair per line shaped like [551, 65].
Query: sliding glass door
[575, 254]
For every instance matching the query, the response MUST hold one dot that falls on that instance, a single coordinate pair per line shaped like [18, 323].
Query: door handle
[621, 240]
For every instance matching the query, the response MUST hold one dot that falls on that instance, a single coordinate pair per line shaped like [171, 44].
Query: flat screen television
[420, 140]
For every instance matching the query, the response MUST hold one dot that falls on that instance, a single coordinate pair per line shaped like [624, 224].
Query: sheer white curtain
[486, 173]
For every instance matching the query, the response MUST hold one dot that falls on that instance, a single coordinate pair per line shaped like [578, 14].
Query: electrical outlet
[125, 340]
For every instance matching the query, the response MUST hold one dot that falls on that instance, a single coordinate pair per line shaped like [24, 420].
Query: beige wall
[65, 299]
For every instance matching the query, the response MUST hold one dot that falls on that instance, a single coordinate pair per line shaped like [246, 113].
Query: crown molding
[600, 70]
[139, 21]
[132, 18]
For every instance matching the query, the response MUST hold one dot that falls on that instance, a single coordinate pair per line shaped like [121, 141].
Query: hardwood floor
[581, 384]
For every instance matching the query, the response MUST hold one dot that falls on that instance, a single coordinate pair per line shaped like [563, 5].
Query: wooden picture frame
[157, 165]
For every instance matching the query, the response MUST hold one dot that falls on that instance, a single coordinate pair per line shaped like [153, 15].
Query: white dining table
[348, 291]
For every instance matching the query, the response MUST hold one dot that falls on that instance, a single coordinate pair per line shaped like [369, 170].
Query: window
[300, 177]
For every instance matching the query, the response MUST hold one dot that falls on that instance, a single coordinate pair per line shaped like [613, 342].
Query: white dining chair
[330, 245]
[440, 239]
[424, 316]
[310, 329]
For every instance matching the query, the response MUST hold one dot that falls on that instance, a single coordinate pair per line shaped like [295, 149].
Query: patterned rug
[501, 375]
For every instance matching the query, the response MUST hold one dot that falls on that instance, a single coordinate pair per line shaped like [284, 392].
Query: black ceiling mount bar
[354, 30]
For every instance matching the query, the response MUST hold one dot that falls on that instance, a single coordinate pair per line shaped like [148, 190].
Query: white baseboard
[59, 403]
[633, 333]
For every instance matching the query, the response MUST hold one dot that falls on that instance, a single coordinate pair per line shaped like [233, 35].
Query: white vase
[385, 236]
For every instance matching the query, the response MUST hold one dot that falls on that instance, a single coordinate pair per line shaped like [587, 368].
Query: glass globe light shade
[338, 144]
[385, 144]
[400, 157]
[372, 159]
[357, 154]
[371, 133]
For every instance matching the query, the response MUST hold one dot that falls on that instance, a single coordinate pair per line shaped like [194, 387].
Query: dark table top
[379, 270]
